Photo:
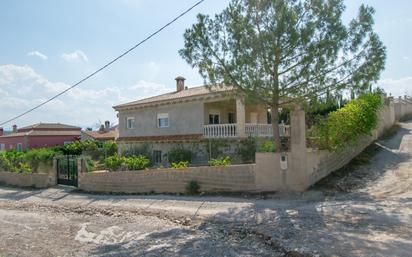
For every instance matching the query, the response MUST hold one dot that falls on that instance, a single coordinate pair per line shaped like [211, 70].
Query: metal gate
[67, 170]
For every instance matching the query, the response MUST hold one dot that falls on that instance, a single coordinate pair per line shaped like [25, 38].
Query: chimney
[1, 132]
[101, 129]
[14, 128]
[180, 83]
[107, 125]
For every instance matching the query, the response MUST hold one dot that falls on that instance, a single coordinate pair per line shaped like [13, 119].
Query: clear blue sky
[47, 45]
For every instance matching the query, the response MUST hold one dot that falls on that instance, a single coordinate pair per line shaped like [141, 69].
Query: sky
[47, 45]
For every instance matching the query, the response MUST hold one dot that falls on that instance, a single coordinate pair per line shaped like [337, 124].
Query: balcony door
[214, 117]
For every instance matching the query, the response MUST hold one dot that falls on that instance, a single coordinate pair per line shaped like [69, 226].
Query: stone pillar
[240, 117]
[296, 177]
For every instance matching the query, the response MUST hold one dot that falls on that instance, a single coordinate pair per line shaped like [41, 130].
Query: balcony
[254, 130]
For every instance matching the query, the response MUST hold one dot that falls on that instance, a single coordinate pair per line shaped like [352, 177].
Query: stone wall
[36, 180]
[235, 178]
[45, 176]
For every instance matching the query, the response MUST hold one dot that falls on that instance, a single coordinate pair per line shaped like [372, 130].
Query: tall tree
[280, 51]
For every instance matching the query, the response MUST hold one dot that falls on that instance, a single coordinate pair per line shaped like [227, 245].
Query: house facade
[38, 135]
[189, 117]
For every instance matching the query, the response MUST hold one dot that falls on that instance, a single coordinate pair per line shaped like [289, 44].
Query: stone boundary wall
[235, 178]
[36, 180]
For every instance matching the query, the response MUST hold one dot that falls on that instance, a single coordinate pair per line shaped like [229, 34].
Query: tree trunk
[275, 126]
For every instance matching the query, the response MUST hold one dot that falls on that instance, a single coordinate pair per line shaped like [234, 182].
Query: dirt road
[371, 217]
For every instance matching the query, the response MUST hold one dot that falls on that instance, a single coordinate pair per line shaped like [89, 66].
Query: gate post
[53, 173]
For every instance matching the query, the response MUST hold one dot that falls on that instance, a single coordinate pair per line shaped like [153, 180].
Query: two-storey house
[188, 117]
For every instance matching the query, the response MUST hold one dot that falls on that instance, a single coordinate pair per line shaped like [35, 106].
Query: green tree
[282, 51]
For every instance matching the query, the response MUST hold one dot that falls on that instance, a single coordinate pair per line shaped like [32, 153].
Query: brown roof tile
[48, 126]
[190, 92]
[107, 134]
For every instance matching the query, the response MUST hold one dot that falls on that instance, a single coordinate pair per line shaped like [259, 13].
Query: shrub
[267, 146]
[222, 161]
[247, 149]
[192, 187]
[139, 162]
[180, 165]
[36, 156]
[177, 155]
[5, 164]
[110, 148]
[347, 124]
[113, 163]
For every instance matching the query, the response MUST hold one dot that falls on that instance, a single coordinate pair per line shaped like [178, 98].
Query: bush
[347, 124]
[180, 165]
[5, 164]
[139, 162]
[42, 155]
[192, 187]
[110, 148]
[222, 161]
[113, 163]
[177, 155]
[247, 149]
[267, 146]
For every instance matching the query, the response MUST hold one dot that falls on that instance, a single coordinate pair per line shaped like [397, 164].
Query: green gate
[67, 170]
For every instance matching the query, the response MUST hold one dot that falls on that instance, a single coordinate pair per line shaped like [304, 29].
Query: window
[162, 120]
[2, 147]
[19, 147]
[130, 122]
[157, 156]
[231, 118]
[67, 142]
[214, 117]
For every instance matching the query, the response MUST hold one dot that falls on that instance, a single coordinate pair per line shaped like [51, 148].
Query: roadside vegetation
[348, 123]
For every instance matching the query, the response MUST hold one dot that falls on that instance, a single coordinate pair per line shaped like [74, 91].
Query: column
[240, 117]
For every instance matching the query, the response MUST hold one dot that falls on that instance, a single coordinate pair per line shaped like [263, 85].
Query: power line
[105, 66]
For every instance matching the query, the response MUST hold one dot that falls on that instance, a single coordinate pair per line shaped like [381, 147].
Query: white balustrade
[255, 130]
[219, 131]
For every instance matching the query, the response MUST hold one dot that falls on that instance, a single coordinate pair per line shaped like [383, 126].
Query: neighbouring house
[38, 135]
[191, 118]
[105, 133]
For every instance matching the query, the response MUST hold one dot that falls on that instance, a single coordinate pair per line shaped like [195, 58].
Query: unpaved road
[373, 217]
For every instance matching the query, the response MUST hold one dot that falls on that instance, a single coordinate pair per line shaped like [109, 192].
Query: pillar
[297, 176]
[240, 117]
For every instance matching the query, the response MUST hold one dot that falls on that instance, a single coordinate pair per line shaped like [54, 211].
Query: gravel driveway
[371, 217]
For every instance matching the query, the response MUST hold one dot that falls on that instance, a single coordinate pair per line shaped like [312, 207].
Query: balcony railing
[220, 130]
[255, 130]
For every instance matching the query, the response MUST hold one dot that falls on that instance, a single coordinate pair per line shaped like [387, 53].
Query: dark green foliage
[222, 161]
[177, 155]
[345, 125]
[247, 149]
[192, 188]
